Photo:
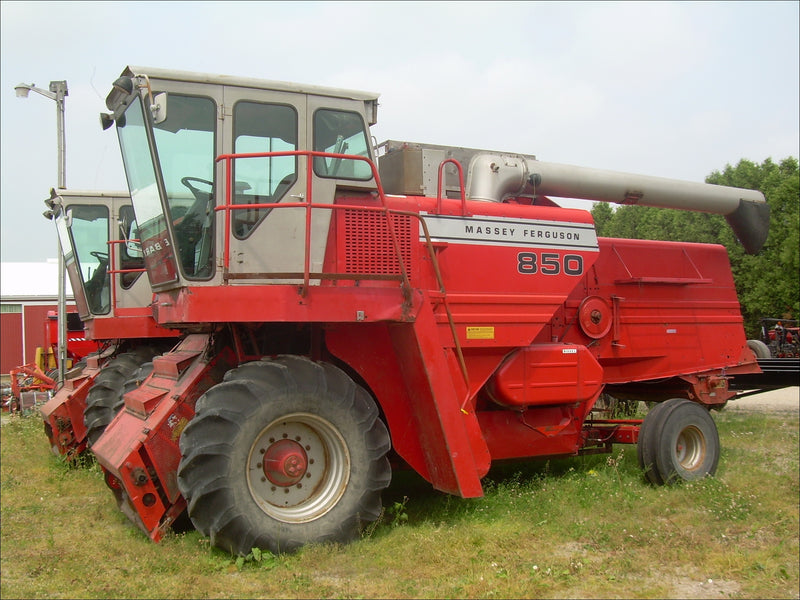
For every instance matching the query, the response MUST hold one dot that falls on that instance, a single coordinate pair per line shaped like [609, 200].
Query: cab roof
[249, 82]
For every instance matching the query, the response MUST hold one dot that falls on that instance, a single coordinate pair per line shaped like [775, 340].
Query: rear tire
[105, 399]
[283, 453]
[647, 446]
[680, 442]
[759, 348]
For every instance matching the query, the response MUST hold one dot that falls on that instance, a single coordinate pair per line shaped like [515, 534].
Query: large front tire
[283, 453]
[105, 398]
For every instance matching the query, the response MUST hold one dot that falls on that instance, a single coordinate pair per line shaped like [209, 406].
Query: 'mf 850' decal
[549, 263]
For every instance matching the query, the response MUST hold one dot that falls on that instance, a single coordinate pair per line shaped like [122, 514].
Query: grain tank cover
[492, 177]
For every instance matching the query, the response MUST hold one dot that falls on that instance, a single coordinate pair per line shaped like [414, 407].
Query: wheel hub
[299, 467]
[285, 463]
[690, 448]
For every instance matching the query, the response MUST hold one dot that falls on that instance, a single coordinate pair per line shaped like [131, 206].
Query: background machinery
[780, 338]
[105, 268]
[31, 382]
[339, 322]
[778, 354]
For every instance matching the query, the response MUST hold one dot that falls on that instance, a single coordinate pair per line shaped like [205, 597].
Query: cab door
[265, 244]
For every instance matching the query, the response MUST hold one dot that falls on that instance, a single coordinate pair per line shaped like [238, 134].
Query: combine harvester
[105, 268]
[339, 322]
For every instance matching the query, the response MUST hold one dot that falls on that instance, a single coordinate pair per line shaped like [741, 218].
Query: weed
[398, 512]
[258, 557]
[614, 464]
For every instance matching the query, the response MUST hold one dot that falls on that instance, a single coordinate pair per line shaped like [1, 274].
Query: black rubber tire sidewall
[230, 417]
[686, 415]
[759, 348]
[105, 398]
[647, 446]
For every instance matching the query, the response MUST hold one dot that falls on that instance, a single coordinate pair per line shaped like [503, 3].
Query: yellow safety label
[480, 333]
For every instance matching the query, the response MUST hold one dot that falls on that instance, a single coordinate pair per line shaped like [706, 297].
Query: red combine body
[118, 334]
[78, 345]
[443, 322]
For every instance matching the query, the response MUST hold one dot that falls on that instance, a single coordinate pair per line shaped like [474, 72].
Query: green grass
[586, 527]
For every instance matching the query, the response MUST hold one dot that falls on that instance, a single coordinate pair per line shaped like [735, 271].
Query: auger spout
[493, 176]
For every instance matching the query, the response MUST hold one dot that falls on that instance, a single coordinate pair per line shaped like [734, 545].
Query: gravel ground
[783, 400]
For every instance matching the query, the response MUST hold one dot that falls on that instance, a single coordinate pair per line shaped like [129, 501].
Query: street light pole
[57, 91]
[59, 88]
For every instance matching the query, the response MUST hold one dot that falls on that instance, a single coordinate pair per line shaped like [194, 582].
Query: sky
[672, 89]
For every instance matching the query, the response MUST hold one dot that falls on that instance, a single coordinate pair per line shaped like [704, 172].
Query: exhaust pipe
[492, 177]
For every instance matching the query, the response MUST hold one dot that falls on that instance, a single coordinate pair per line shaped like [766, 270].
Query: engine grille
[368, 245]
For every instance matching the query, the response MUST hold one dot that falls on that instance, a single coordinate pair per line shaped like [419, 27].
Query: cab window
[89, 235]
[260, 128]
[341, 132]
[130, 252]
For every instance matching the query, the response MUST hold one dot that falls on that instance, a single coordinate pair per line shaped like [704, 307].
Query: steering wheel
[202, 199]
[100, 256]
[187, 182]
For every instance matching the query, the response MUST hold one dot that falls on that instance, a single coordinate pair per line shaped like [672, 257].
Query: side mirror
[159, 108]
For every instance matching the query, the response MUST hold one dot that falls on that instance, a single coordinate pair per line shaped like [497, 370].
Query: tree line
[768, 283]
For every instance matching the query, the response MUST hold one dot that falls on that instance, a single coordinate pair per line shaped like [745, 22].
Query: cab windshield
[179, 231]
[84, 240]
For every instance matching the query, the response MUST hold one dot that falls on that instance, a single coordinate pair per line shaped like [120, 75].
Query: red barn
[28, 291]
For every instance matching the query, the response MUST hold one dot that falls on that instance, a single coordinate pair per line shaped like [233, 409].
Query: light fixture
[106, 120]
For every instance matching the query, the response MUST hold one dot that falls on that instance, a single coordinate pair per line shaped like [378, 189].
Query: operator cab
[175, 130]
[104, 273]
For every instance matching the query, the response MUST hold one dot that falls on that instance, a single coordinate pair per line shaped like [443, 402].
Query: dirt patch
[783, 400]
[710, 588]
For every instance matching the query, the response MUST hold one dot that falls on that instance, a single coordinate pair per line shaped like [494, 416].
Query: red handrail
[307, 203]
[112, 261]
[460, 186]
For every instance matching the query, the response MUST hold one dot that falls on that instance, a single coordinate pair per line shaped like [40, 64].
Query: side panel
[431, 430]
[672, 310]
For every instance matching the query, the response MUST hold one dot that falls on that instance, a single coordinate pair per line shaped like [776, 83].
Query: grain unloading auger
[494, 177]
[339, 321]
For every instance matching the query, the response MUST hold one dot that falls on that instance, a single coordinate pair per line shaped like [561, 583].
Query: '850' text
[549, 263]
